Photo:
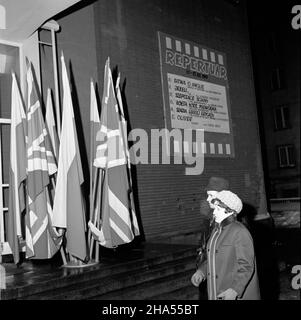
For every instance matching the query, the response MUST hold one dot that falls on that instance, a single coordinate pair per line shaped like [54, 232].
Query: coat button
[216, 276]
[216, 251]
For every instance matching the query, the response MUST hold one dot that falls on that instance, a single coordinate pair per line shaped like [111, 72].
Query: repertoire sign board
[196, 92]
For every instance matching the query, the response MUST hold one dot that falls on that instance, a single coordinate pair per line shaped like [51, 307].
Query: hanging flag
[68, 207]
[116, 218]
[41, 164]
[50, 125]
[94, 127]
[123, 125]
[17, 171]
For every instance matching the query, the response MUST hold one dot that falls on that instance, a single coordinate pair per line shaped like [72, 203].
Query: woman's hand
[197, 278]
[229, 294]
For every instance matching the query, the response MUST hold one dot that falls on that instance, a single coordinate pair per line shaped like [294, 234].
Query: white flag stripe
[49, 154]
[28, 237]
[41, 230]
[103, 129]
[35, 148]
[119, 207]
[100, 162]
[32, 218]
[29, 200]
[40, 164]
[102, 147]
[116, 163]
[32, 109]
[120, 233]
[113, 133]
[35, 144]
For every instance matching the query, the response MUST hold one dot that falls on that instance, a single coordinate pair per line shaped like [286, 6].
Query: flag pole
[98, 215]
[92, 217]
[56, 84]
[61, 249]
[97, 222]
[91, 169]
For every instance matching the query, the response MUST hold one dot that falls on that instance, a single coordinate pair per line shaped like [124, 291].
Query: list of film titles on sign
[196, 104]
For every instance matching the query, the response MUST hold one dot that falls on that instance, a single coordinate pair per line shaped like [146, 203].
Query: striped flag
[50, 125]
[41, 164]
[123, 125]
[68, 208]
[117, 220]
[17, 171]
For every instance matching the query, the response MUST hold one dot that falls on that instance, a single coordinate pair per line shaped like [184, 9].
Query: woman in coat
[230, 267]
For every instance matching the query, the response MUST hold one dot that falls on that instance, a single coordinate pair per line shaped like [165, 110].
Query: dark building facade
[276, 47]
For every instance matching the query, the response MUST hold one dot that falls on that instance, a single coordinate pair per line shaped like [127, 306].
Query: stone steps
[113, 285]
[150, 289]
[162, 270]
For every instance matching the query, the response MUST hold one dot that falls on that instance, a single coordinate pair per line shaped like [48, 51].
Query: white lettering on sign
[199, 104]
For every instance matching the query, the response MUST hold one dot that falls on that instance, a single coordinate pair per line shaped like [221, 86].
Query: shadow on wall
[263, 233]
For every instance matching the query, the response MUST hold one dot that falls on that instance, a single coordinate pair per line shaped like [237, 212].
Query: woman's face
[211, 195]
[220, 214]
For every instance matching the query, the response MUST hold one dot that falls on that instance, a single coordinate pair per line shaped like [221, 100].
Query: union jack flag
[118, 220]
[42, 241]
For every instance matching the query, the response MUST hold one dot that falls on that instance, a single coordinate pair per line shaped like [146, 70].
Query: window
[9, 61]
[12, 58]
[277, 80]
[281, 117]
[286, 156]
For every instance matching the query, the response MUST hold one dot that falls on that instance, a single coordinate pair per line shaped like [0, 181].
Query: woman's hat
[230, 199]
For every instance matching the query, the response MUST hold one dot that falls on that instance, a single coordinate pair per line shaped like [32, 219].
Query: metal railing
[283, 200]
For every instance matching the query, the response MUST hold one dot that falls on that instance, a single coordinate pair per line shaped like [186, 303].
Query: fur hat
[217, 184]
[230, 199]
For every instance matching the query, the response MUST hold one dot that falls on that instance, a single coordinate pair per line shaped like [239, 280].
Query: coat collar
[227, 221]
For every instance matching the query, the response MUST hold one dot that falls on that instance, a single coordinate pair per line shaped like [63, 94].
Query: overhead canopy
[19, 19]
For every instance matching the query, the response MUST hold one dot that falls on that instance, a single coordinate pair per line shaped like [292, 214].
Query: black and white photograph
[150, 153]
